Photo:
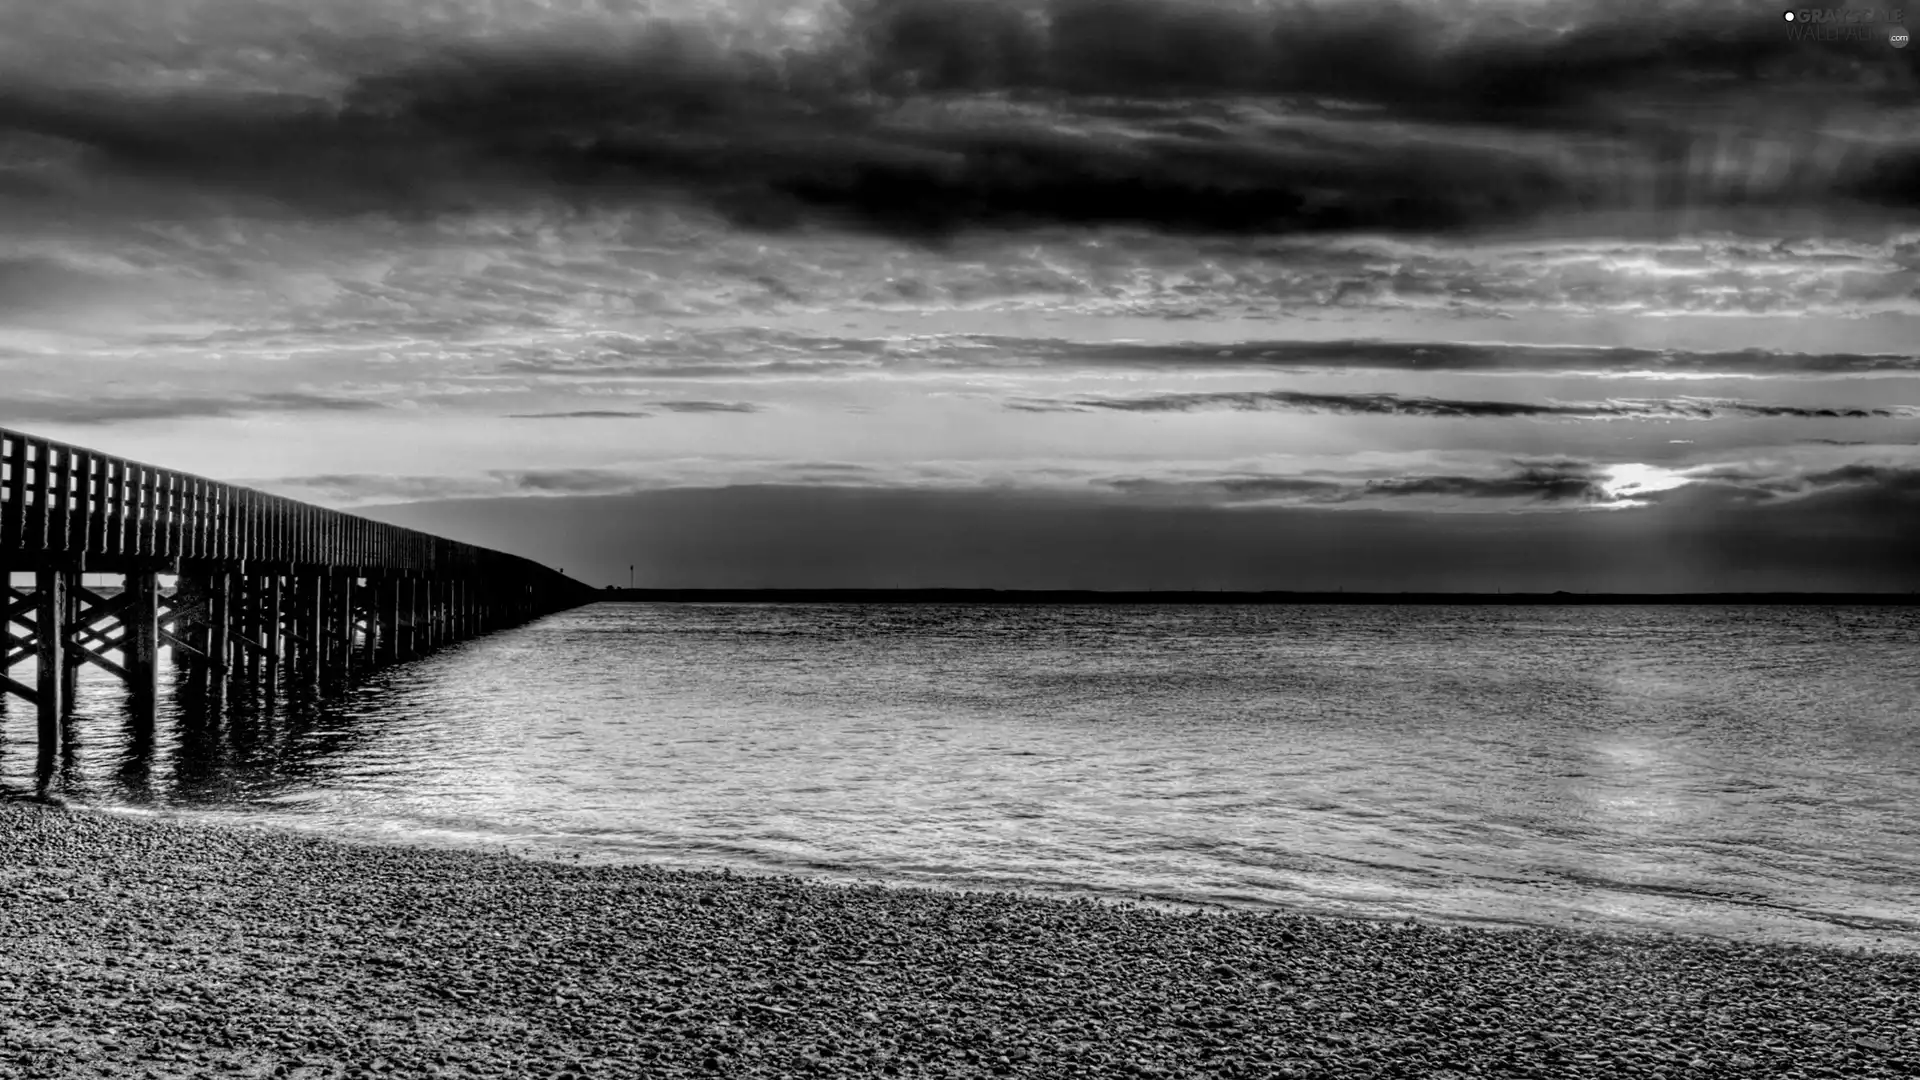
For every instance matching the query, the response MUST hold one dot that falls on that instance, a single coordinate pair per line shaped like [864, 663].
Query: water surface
[1747, 771]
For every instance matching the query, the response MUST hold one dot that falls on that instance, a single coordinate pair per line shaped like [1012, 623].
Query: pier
[262, 587]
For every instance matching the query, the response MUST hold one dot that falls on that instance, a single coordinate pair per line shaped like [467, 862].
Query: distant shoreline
[1076, 596]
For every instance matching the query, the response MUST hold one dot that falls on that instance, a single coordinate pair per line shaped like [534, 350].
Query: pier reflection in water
[263, 739]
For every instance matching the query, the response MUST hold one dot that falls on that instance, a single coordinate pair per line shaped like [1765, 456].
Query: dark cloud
[630, 414]
[1895, 481]
[707, 406]
[584, 414]
[1546, 483]
[110, 410]
[1554, 481]
[1855, 442]
[1686, 408]
[1450, 356]
[1236, 487]
[772, 353]
[1118, 120]
[1450, 59]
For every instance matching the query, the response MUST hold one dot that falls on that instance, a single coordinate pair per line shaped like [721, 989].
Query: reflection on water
[1748, 771]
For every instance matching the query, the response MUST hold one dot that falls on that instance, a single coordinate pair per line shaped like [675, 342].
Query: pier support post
[70, 658]
[314, 625]
[188, 623]
[372, 604]
[390, 619]
[416, 633]
[142, 616]
[343, 600]
[276, 601]
[6, 634]
[51, 636]
[219, 635]
[256, 625]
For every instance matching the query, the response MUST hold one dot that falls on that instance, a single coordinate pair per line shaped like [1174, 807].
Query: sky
[1516, 294]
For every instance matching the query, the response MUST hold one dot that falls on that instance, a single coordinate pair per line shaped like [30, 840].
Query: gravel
[144, 948]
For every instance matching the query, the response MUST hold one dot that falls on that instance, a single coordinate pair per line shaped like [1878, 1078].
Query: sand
[139, 947]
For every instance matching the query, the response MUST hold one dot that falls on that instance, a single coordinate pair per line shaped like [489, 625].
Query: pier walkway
[262, 586]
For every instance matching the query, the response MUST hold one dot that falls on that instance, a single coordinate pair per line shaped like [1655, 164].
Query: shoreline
[1906, 938]
[141, 946]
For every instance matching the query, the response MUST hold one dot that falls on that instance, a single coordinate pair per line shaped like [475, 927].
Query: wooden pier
[265, 588]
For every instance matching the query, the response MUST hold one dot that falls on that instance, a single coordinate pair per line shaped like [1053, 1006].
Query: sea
[1750, 772]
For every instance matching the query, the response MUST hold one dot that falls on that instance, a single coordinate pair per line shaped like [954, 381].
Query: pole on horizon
[629, 577]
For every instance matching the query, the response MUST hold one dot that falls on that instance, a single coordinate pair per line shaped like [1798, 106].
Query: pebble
[257, 947]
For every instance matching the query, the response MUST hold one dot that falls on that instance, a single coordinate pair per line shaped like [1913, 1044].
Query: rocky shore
[140, 948]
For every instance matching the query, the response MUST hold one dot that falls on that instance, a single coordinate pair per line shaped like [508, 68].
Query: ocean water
[1752, 772]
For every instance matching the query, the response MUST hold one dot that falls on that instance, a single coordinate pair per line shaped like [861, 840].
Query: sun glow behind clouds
[1625, 481]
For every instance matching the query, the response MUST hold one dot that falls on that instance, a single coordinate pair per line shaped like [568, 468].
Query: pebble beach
[139, 947]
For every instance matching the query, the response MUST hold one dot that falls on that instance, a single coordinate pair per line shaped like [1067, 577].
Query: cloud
[1451, 482]
[924, 118]
[569, 481]
[751, 352]
[583, 414]
[112, 410]
[1903, 481]
[1845, 538]
[353, 489]
[1447, 59]
[1554, 481]
[630, 414]
[1478, 357]
[1546, 483]
[1384, 404]
[1528, 484]
[1855, 442]
[707, 406]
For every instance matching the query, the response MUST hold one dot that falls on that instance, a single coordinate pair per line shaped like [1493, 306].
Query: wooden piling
[390, 629]
[50, 587]
[315, 629]
[275, 618]
[142, 621]
[343, 588]
[411, 608]
[375, 602]
[70, 659]
[219, 636]
[256, 626]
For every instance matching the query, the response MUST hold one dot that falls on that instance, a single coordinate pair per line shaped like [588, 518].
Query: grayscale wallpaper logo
[1848, 24]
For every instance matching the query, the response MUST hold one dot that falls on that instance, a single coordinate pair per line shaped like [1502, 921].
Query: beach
[140, 947]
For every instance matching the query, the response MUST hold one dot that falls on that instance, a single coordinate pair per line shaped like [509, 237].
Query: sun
[1625, 481]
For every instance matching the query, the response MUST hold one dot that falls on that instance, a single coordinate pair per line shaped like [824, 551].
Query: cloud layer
[924, 117]
[1684, 408]
[1853, 537]
[1450, 482]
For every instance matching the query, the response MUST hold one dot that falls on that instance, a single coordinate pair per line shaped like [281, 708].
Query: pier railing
[62, 503]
